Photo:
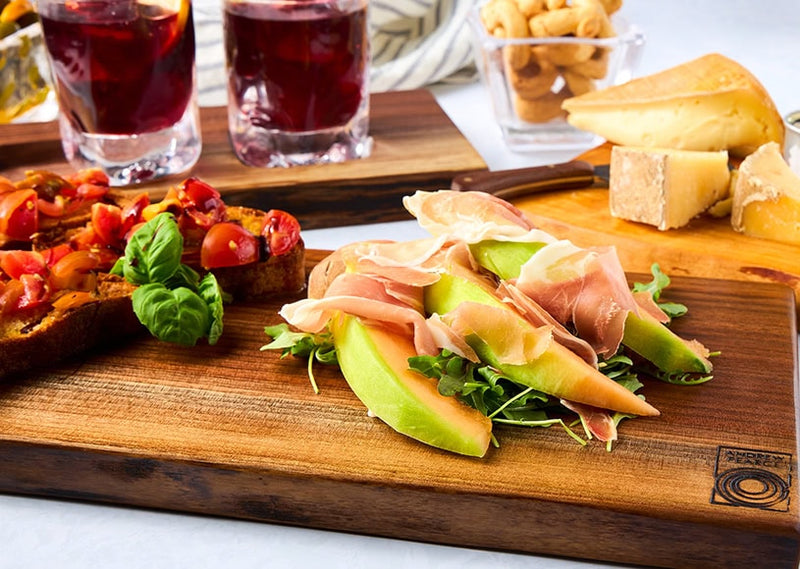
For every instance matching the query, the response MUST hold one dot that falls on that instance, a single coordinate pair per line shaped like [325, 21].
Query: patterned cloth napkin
[414, 43]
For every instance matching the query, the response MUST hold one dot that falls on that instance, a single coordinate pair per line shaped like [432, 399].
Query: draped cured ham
[471, 217]
[505, 316]
[373, 298]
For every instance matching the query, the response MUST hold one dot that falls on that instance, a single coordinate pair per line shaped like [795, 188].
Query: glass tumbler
[298, 73]
[124, 76]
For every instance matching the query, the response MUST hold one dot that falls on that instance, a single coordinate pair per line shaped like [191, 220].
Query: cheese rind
[766, 197]
[665, 187]
[710, 103]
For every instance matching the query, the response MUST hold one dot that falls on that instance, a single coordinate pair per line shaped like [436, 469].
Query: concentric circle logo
[752, 479]
[751, 487]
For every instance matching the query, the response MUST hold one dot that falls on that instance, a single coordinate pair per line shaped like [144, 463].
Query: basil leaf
[178, 315]
[153, 253]
[211, 293]
[184, 275]
[117, 269]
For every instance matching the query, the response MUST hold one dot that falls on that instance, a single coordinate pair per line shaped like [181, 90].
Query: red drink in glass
[121, 75]
[125, 82]
[297, 80]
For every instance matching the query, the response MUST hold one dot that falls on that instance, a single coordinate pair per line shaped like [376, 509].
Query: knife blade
[518, 182]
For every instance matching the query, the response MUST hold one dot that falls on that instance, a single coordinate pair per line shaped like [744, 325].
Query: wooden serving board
[232, 431]
[707, 247]
[415, 147]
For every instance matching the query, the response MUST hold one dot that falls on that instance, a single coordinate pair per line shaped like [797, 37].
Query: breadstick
[503, 19]
[542, 109]
[533, 80]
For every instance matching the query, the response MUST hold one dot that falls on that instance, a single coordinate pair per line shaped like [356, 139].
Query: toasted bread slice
[44, 338]
[53, 333]
[275, 275]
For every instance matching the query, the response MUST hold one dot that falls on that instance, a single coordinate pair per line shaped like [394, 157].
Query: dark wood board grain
[230, 430]
[416, 147]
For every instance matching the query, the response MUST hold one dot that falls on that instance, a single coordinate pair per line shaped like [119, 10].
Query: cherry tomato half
[228, 245]
[282, 231]
[18, 263]
[202, 204]
[54, 254]
[36, 291]
[10, 294]
[107, 223]
[73, 271]
[19, 216]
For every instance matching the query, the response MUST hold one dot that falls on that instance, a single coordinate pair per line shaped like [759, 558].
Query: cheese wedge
[766, 197]
[665, 187]
[710, 103]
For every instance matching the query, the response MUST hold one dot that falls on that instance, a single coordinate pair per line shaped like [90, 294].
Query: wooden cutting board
[707, 247]
[415, 147]
[232, 431]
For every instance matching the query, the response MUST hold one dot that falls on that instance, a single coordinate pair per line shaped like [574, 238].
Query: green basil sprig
[171, 300]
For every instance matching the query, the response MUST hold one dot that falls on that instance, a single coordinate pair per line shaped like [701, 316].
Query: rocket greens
[490, 392]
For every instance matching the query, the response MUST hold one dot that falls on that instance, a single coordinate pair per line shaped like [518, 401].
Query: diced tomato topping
[132, 212]
[17, 263]
[6, 185]
[91, 191]
[10, 294]
[282, 231]
[19, 216]
[53, 208]
[202, 196]
[228, 244]
[88, 240]
[107, 223]
[54, 254]
[46, 184]
[201, 203]
[36, 291]
[93, 176]
[73, 299]
[73, 271]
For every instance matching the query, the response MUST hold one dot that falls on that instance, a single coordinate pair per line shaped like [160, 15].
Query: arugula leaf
[681, 378]
[313, 347]
[490, 392]
[178, 315]
[656, 287]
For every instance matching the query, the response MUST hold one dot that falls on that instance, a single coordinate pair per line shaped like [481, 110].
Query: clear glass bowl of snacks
[534, 54]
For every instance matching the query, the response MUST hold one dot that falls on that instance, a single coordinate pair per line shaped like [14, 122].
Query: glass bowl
[528, 78]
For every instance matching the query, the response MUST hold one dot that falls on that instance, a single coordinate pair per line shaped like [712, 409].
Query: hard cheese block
[766, 197]
[665, 187]
[710, 103]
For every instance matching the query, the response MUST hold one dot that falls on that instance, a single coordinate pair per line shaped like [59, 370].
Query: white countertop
[38, 532]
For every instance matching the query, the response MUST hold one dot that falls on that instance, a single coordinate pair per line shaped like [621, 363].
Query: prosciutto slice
[405, 262]
[372, 298]
[400, 261]
[471, 217]
[447, 339]
[597, 421]
[512, 343]
[583, 287]
[538, 316]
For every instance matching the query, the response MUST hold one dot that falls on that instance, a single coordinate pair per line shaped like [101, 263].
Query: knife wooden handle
[518, 182]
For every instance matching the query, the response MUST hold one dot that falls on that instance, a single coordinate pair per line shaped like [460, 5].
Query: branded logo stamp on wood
[752, 478]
